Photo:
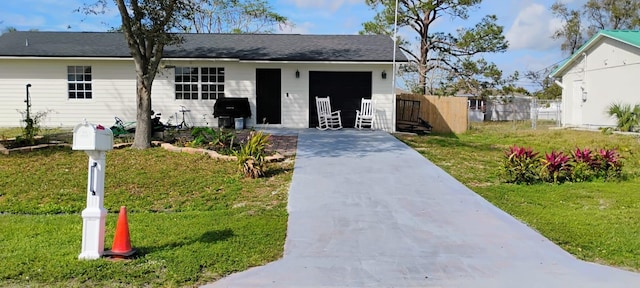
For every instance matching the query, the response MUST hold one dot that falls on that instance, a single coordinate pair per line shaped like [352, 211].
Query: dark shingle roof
[274, 47]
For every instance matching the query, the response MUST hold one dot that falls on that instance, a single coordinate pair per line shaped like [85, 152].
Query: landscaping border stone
[277, 157]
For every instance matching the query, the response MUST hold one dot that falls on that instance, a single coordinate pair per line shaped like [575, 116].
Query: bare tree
[234, 16]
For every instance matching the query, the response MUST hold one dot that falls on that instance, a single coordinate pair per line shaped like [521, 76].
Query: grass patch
[595, 221]
[194, 219]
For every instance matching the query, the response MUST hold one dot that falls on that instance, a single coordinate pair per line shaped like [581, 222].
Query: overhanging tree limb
[420, 15]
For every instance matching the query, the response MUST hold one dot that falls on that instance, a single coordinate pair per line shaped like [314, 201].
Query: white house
[603, 71]
[77, 75]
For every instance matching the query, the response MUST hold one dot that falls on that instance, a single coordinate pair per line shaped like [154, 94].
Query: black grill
[226, 109]
[232, 107]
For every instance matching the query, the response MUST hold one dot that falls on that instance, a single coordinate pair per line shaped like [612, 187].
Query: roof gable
[258, 47]
[629, 37]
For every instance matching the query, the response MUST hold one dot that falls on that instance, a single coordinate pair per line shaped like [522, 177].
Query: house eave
[582, 50]
[181, 59]
[318, 62]
[64, 58]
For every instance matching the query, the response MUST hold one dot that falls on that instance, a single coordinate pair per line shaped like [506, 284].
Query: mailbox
[95, 140]
[87, 136]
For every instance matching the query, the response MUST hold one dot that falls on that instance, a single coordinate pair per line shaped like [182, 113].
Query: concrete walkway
[368, 211]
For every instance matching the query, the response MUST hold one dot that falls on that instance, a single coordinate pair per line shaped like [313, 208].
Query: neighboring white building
[508, 107]
[77, 75]
[603, 71]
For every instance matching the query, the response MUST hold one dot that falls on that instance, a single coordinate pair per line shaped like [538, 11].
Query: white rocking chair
[327, 119]
[365, 116]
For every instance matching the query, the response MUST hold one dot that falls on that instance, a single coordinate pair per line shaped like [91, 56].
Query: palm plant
[627, 116]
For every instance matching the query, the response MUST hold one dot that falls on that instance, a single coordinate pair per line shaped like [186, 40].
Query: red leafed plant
[583, 155]
[555, 166]
[521, 165]
[516, 152]
[610, 163]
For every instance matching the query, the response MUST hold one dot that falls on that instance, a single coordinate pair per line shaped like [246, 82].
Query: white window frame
[79, 86]
[195, 83]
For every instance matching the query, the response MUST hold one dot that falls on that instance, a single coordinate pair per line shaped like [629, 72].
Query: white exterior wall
[609, 74]
[114, 91]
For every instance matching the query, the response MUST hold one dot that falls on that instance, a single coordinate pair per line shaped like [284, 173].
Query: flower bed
[523, 165]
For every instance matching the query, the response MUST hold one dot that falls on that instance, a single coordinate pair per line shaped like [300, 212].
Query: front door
[576, 104]
[268, 101]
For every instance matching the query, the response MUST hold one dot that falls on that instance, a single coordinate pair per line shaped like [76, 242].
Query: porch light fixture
[297, 73]
[584, 92]
[384, 74]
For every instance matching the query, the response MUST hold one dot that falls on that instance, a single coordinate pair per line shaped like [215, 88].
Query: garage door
[345, 89]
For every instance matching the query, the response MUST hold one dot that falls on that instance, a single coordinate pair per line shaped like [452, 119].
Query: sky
[528, 24]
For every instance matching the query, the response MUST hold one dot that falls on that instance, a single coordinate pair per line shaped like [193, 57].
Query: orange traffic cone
[121, 247]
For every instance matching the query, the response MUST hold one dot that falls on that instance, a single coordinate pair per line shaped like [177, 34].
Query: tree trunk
[422, 66]
[142, 138]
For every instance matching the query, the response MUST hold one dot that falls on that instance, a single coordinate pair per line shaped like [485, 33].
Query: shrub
[583, 165]
[521, 165]
[31, 126]
[626, 115]
[251, 155]
[609, 164]
[555, 167]
[208, 137]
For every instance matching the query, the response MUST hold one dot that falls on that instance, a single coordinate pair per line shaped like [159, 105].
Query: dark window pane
[72, 87]
[194, 96]
[178, 95]
[220, 79]
[72, 95]
[87, 86]
[194, 88]
[178, 87]
[220, 70]
[187, 87]
[87, 77]
[71, 77]
[87, 69]
[194, 71]
[80, 95]
[204, 70]
[220, 95]
[70, 69]
[204, 78]
[88, 95]
[205, 87]
[205, 96]
[220, 88]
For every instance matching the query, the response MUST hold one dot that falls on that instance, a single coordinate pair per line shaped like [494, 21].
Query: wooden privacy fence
[445, 114]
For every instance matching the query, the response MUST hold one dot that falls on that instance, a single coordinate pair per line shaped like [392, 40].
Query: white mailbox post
[95, 141]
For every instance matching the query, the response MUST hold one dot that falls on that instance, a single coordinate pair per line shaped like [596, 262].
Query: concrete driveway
[365, 210]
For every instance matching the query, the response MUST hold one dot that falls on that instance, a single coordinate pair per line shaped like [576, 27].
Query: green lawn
[597, 221]
[192, 218]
